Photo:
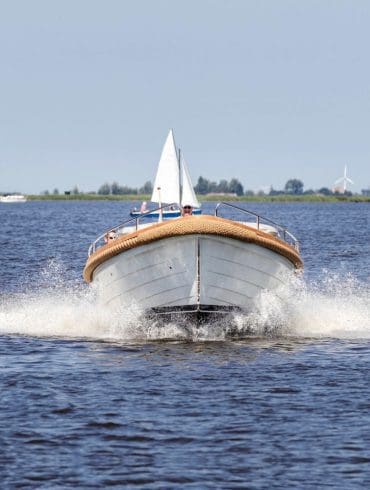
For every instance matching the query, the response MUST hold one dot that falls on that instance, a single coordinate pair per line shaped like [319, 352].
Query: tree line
[119, 190]
[203, 187]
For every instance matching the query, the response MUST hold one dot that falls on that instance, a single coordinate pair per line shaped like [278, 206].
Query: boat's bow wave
[334, 307]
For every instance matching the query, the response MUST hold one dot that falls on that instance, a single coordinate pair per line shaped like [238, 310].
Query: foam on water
[335, 306]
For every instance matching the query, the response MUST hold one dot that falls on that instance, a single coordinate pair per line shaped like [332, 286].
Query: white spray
[335, 306]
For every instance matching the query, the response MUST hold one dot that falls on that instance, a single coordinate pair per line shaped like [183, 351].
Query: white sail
[166, 187]
[188, 195]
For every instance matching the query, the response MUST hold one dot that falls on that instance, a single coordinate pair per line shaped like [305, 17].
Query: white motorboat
[11, 198]
[195, 266]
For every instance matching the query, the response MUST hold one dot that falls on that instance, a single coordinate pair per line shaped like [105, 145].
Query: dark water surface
[94, 399]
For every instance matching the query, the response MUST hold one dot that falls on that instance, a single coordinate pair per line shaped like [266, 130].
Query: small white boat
[193, 266]
[11, 198]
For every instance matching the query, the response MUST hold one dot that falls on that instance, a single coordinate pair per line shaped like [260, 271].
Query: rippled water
[93, 398]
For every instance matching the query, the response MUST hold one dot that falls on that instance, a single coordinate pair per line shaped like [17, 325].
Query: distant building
[365, 192]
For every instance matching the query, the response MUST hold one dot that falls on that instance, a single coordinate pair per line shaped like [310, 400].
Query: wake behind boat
[199, 266]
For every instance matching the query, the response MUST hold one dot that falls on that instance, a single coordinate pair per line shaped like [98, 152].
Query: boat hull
[11, 199]
[198, 275]
[165, 214]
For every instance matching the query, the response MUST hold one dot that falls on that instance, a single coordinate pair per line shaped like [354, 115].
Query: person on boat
[143, 208]
[111, 235]
[186, 210]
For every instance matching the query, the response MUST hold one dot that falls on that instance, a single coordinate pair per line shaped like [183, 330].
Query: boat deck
[138, 223]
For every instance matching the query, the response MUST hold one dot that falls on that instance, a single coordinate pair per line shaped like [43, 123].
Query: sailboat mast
[180, 186]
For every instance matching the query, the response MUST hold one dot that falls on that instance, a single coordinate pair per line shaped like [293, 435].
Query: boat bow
[193, 225]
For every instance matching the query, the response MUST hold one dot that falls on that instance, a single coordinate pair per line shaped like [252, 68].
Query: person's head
[187, 210]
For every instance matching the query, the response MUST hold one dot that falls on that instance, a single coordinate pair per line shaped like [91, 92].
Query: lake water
[96, 399]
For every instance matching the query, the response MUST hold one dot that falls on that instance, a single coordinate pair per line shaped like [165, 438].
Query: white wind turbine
[344, 180]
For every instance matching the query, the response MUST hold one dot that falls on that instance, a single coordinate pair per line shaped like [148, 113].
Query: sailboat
[172, 184]
[191, 267]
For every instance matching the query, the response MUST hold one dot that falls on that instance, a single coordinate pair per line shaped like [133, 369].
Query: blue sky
[259, 90]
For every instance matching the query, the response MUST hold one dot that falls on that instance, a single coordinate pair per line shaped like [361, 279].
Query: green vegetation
[253, 198]
[88, 197]
[210, 191]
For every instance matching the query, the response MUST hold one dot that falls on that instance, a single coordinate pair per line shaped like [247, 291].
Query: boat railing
[134, 222]
[283, 232]
[119, 229]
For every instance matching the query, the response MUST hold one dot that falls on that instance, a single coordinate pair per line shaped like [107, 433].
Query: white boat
[172, 185]
[11, 198]
[193, 266]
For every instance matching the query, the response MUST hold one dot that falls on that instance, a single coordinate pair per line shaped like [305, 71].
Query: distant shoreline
[139, 198]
